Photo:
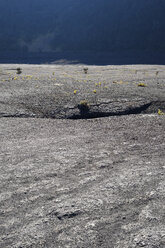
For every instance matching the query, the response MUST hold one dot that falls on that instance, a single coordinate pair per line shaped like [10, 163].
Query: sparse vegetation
[142, 85]
[160, 112]
[83, 106]
[19, 70]
[84, 103]
[85, 70]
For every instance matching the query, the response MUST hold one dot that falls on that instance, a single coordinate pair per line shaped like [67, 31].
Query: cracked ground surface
[56, 91]
[88, 182]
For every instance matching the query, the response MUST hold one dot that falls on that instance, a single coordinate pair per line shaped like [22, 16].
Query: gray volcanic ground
[69, 179]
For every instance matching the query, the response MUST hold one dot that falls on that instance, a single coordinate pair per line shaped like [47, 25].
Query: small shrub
[84, 103]
[85, 70]
[83, 106]
[19, 70]
[142, 85]
[160, 112]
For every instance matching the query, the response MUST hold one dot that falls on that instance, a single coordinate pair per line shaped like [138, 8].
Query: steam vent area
[82, 156]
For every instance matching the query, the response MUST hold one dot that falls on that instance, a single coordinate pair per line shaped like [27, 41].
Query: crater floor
[68, 176]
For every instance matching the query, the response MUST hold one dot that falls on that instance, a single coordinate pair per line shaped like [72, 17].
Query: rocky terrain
[82, 156]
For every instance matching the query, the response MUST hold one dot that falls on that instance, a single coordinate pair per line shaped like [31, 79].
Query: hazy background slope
[82, 25]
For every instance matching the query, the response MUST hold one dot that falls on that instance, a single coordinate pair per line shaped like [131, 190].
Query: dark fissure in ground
[85, 111]
[86, 114]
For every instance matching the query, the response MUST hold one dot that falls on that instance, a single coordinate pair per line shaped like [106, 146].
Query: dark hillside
[67, 25]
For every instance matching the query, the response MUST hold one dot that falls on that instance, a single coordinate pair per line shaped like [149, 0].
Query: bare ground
[70, 181]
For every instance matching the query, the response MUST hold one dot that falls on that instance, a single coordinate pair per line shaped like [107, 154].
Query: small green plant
[83, 106]
[142, 85]
[160, 112]
[19, 70]
[85, 70]
[84, 103]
